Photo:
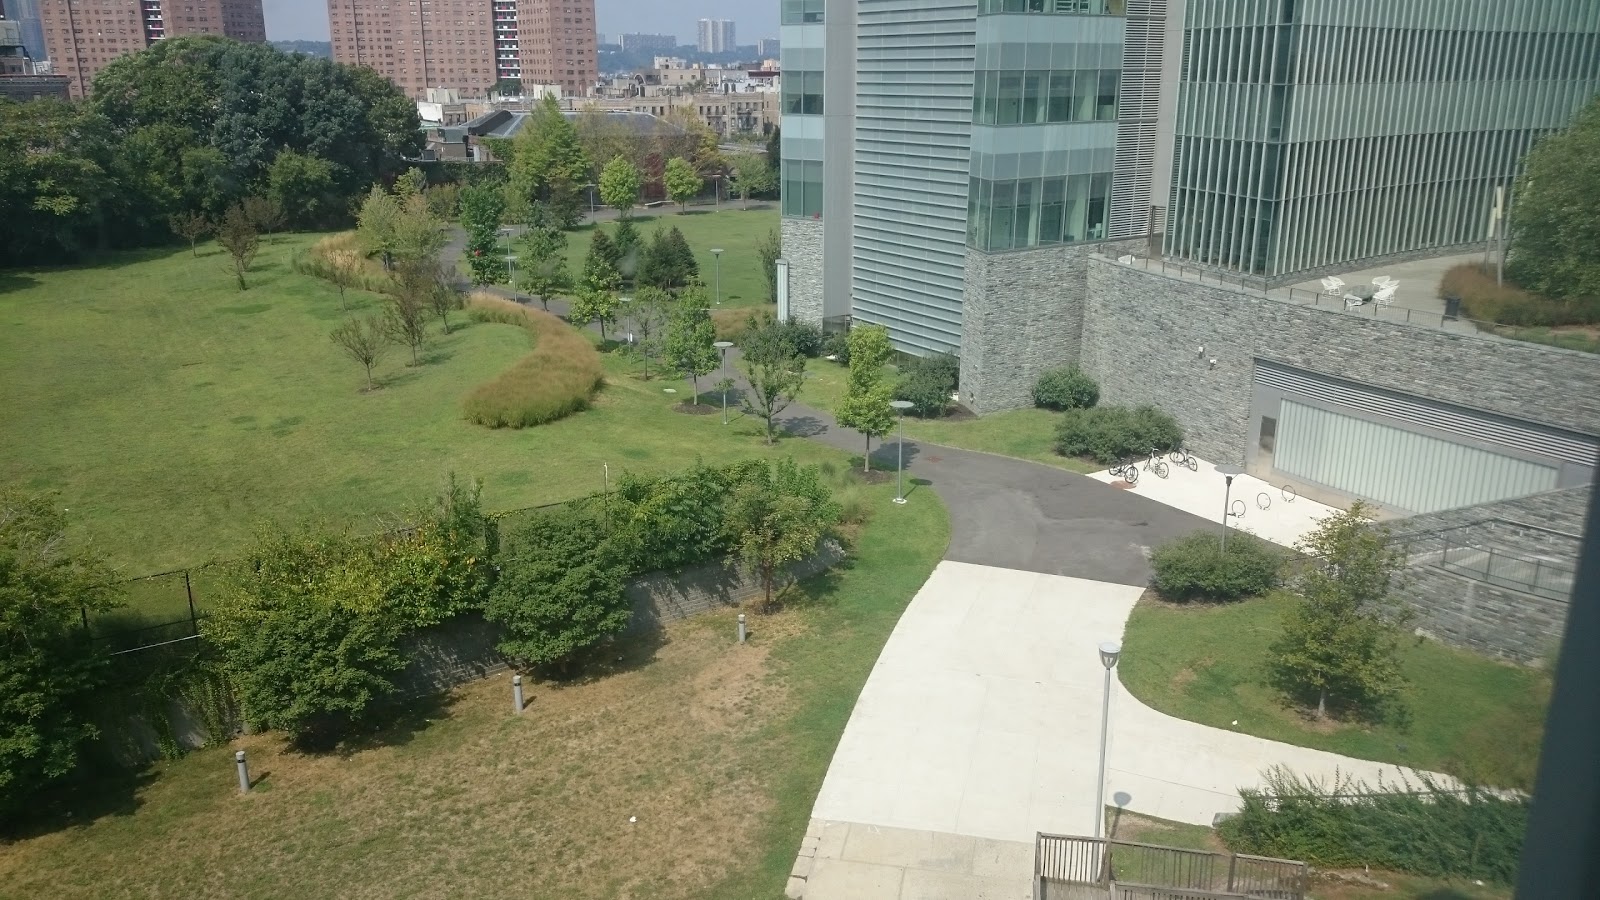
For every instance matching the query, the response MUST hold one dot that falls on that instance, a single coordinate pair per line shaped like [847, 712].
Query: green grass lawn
[718, 750]
[1463, 714]
[173, 412]
[735, 230]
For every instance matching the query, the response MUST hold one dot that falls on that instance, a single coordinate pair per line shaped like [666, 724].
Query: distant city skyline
[307, 20]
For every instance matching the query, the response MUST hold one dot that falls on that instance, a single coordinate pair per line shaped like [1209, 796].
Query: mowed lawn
[718, 750]
[736, 230]
[173, 412]
[1461, 713]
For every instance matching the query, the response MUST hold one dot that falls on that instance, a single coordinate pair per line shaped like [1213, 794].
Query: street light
[1109, 651]
[724, 346]
[1229, 473]
[716, 266]
[900, 406]
[512, 262]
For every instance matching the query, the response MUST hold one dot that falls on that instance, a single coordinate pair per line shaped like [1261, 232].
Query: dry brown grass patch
[318, 261]
[558, 378]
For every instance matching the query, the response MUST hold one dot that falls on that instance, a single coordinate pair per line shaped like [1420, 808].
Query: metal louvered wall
[1138, 113]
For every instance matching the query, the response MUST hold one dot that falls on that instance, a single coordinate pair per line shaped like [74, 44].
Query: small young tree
[365, 341]
[377, 223]
[774, 370]
[768, 250]
[690, 337]
[600, 266]
[240, 238]
[628, 245]
[411, 184]
[191, 226]
[418, 236]
[482, 208]
[406, 318]
[681, 181]
[777, 514]
[265, 213]
[1340, 641]
[866, 401]
[652, 309]
[344, 270]
[594, 304]
[442, 296]
[544, 263]
[619, 185]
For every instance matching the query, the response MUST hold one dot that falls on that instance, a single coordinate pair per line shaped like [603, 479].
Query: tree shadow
[393, 722]
[401, 378]
[802, 426]
[111, 791]
[632, 650]
[437, 355]
[887, 455]
[16, 281]
[1444, 893]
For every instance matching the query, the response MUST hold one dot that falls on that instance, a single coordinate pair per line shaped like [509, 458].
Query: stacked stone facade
[802, 248]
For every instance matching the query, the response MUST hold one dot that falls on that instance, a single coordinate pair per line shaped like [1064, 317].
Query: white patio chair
[1332, 285]
[1384, 281]
[1351, 301]
[1126, 260]
[1385, 294]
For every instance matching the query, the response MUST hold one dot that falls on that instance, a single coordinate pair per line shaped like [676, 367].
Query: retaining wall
[1474, 615]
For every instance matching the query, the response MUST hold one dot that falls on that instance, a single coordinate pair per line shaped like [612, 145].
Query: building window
[802, 12]
[1031, 98]
[1066, 7]
[802, 187]
[1014, 214]
[802, 93]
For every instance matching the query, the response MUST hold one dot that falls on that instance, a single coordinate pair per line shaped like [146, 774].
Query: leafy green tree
[650, 311]
[619, 185]
[768, 250]
[548, 166]
[683, 261]
[777, 514]
[775, 372]
[302, 187]
[866, 400]
[560, 590]
[682, 182]
[414, 183]
[418, 236]
[239, 237]
[48, 666]
[1555, 236]
[1340, 641]
[594, 304]
[600, 266]
[775, 151]
[690, 337]
[752, 176]
[544, 263]
[378, 224]
[626, 238]
[483, 207]
[54, 164]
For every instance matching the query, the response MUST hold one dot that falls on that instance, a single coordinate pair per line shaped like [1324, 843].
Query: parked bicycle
[1155, 463]
[1182, 457]
[1127, 470]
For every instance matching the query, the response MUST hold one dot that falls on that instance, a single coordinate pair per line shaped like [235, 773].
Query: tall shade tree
[302, 187]
[778, 513]
[1340, 642]
[54, 184]
[239, 237]
[682, 182]
[775, 372]
[1555, 237]
[866, 400]
[48, 666]
[363, 340]
[691, 335]
[619, 185]
[548, 166]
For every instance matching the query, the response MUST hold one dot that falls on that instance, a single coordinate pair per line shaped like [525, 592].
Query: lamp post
[1228, 473]
[716, 269]
[1109, 651]
[723, 346]
[900, 406]
[511, 261]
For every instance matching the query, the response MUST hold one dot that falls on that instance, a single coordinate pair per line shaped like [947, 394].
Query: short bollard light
[516, 694]
[741, 628]
[244, 772]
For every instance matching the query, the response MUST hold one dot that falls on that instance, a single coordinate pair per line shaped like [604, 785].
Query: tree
[414, 183]
[774, 370]
[626, 239]
[619, 185]
[443, 297]
[594, 304]
[483, 208]
[1555, 238]
[548, 166]
[688, 344]
[777, 514]
[191, 226]
[600, 266]
[651, 309]
[752, 176]
[238, 236]
[681, 182]
[768, 250]
[364, 341]
[684, 266]
[1340, 641]
[264, 214]
[378, 223]
[344, 270]
[544, 263]
[48, 665]
[55, 160]
[560, 590]
[302, 187]
[406, 318]
[775, 152]
[418, 235]
[866, 400]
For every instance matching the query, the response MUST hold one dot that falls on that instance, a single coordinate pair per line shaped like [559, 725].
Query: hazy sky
[307, 20]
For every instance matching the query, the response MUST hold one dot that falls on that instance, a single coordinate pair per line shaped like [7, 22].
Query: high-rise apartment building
[650, 43]
[82, 36]
[26, 14]
[716, 35]
[469, 45]
[1312, 135]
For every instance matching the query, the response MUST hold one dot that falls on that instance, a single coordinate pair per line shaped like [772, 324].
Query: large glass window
[802, 187]
[802, 12]
[1056, 7]
[802, 93]
[1013, 97]
[1037, 212]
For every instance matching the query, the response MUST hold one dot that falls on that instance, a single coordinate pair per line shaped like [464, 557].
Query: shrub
[1109, 434]
[1194, 567]
[668, 523]
[802, 338]
[1434, 832]
[1066, 388]
[555, 380]
[1482, 298]
[837, 345]
[928, 382]
[318, 261]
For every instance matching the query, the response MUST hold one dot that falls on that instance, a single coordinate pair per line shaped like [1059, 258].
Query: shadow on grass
[16, 281]
[393, 723]
[1444, 893]
[633, 650]
[112, 791]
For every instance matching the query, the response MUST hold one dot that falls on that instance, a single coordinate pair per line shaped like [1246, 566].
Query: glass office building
[1316, 135]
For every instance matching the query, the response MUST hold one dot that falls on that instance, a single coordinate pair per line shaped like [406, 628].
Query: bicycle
[1128, 471]
[1154, 463]
[1182, 457]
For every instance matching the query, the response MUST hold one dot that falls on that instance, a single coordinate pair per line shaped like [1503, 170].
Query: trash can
[1452, 307]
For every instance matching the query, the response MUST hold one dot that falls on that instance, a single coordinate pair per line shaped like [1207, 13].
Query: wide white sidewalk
[981, 720]
[1272, 511]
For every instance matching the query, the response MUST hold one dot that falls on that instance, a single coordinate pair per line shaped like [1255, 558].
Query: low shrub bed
[1482, 298]
[1109, 434]
[1067, 388]
[1195, 567]
[557, 379]
[321, 259]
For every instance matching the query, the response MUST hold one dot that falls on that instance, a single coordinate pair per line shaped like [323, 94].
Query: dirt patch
[876, 476]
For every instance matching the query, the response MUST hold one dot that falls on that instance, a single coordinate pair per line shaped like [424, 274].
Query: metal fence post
[1233, 865]
[516, 694]
[741, 628]
[244, 772]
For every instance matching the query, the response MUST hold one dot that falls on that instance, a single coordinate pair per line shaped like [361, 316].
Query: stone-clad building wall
[802, 248]
[1142, 331]
[1486, 618]
[1564, 511]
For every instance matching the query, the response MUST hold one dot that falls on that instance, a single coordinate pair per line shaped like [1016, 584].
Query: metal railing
[1065, 865]
[1461, 551]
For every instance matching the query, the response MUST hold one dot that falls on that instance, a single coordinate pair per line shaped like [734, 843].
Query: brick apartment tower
[83, 35]
[468, 45]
